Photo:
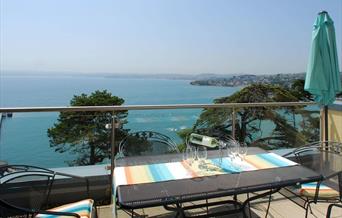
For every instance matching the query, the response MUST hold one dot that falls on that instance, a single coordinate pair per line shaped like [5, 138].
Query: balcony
[276, 126]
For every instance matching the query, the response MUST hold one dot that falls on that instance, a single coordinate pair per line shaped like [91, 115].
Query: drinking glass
[202, 155]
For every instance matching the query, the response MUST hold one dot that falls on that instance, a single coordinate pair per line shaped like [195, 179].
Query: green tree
[84, 133]
[297, 90]
[183, 134]
[251, 121]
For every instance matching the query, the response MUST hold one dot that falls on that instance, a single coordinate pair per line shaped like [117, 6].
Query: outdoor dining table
[175, 192]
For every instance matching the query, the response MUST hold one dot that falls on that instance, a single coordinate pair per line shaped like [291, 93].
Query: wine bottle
[203, 140]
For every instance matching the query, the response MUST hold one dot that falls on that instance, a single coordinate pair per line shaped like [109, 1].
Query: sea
[24, 140]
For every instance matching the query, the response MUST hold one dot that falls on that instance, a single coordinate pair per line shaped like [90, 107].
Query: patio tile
[280, 208]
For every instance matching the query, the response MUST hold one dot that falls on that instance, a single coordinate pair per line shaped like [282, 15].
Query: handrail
[152, 107]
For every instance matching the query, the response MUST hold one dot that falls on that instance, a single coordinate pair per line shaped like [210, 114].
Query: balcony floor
[280, 207]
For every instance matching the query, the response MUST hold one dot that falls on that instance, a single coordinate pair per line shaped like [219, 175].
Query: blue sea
[23, 138]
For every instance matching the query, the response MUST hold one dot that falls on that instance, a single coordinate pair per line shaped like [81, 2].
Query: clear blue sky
[161, 36]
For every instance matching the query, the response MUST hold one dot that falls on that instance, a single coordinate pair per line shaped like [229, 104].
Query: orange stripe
[129, 177]
[320, 190]
[188, 168]
[253, 164]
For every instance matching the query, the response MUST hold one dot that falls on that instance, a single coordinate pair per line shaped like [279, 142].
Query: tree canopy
[84, 134]
[251, 122]
[297, 90]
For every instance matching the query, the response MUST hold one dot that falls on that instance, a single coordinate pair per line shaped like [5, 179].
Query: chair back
[324, 157]
[26, 188]
[146, 143]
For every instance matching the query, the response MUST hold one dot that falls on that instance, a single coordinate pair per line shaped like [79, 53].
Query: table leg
[178, 209]
[268, 204]
[235, 199]
[247, 201]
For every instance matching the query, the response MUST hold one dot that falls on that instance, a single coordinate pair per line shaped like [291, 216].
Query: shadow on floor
[203, 211]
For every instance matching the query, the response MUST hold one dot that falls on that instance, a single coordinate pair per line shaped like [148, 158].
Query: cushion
[309, 190]
[83, 208]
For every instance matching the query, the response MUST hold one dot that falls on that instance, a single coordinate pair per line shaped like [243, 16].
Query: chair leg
[235, 198]
[180, 211]
[310, 208]
[235, 206]
[330, 209]
[244, 213]
[95, 212]
[249, 206]
[307, 209]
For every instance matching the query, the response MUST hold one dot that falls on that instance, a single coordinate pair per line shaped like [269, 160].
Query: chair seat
[325, 192]
[83, 208]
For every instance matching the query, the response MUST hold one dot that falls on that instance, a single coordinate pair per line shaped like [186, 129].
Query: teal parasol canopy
[323, 77]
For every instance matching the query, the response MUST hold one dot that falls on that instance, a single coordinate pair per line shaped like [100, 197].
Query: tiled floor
[280, 207]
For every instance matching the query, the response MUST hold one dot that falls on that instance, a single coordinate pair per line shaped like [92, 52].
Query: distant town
[244, 80]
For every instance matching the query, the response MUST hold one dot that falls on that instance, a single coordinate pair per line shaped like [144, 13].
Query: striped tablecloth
[160, 172]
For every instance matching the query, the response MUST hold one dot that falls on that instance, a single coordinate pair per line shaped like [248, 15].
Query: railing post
[233, 122]
[323, 132]
[112, 151]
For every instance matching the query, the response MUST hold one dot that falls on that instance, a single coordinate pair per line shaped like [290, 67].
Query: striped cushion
[309, 190]
[83, 208]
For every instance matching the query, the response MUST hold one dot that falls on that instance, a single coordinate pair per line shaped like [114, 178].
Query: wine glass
[190, 154]
[235, 149]
[184, 154]
[243, 151]
[230, 152]
[202, 155]
[222, 145]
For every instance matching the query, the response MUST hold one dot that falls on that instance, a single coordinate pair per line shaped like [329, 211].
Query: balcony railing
[271, 125]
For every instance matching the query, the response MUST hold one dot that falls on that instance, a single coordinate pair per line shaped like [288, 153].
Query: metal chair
[324, 158]
[146, 143]
[28, 191]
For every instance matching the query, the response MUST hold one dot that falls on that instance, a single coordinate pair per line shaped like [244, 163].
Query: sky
[160, 36]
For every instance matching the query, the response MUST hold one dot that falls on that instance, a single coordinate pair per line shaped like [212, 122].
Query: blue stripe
[71, 210]
[164, 172]
[311, 184]
[273, 159]
[79, 209]
[314, 185]
[226, 165]
[155, 173]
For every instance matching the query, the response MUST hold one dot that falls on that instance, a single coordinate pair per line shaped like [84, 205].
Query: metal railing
[152, 107]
